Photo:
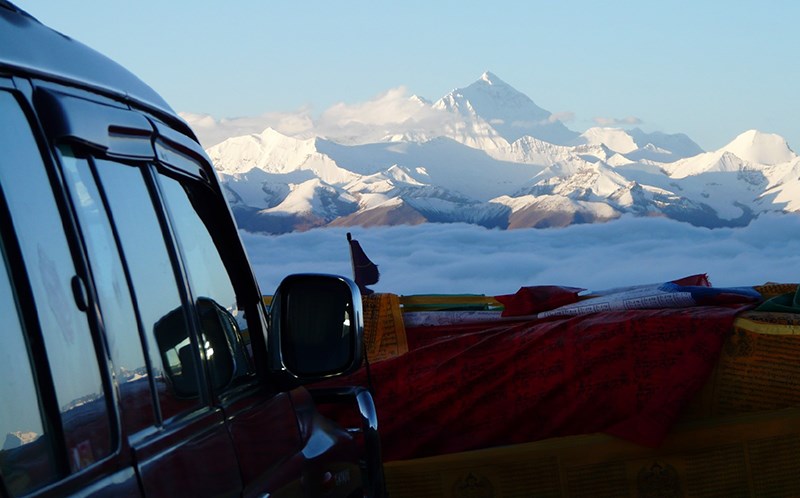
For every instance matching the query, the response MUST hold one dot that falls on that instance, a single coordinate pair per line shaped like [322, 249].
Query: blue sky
[709, 69]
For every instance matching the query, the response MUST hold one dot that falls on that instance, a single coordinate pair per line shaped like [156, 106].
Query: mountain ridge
[499, 160]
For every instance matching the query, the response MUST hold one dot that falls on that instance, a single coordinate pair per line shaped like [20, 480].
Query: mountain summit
[508, 111]
[759, 147]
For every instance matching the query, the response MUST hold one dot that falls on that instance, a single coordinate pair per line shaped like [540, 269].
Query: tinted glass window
[173, 356]
[26, 458]
[119, 318]
[225, 341]
[51, 271]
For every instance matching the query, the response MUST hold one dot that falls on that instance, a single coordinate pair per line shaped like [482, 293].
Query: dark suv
[136, 356]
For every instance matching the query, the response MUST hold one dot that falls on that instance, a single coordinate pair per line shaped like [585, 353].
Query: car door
[283, 445]
[261, 420]
[58, 414]
[179, 441]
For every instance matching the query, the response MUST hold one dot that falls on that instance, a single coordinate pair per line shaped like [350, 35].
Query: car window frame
[175, 433]
[178, 156]
[22, 91]
[120, 461]
[116, 246]
[233, 266]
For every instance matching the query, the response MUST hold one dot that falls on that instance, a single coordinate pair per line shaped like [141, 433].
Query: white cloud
[391, 107]
[461, 258]
[564, 117]
[630, 120]
[393, 112]
[212, 131]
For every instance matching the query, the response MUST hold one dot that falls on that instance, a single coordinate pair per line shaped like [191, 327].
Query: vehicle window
[225, 333]
[51, 271]
[26, 457]
[113, 294]
[173, 355]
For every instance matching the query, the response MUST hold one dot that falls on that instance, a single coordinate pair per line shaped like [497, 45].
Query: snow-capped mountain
[507, 112]
[499, 160]
[17, 438]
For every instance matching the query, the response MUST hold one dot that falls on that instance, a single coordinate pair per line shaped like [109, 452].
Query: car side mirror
[316, 327]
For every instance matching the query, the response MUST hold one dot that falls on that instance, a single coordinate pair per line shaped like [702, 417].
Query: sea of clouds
[460, 258]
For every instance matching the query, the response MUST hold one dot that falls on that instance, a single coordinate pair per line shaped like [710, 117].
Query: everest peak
[510, 112]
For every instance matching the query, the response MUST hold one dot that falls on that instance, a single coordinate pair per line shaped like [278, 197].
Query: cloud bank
[390, 113]
[459, 258]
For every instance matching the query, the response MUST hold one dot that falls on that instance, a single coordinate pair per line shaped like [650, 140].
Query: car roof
[30, 48]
